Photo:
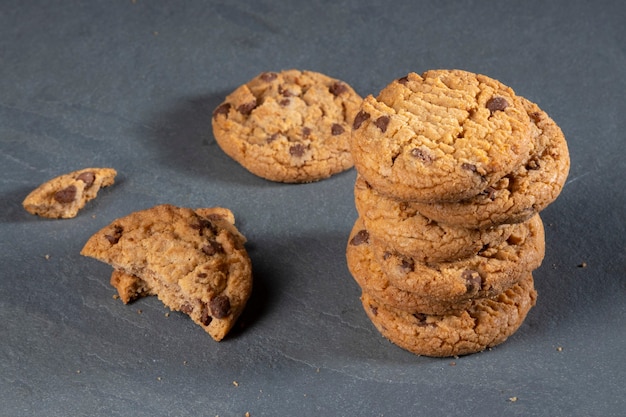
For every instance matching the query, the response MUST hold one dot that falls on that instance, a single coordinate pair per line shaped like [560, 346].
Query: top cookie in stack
[453, 168]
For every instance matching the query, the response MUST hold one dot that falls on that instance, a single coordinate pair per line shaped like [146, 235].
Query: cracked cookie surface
[63, 196]
[193, 260]
[519, 195]
[399, 226]
[483, 324]
[443, 136]
[289, 126]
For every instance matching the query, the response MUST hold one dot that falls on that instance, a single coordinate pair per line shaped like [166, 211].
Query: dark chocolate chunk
[490, 192]
[473, 280]
[223, 108]
[337, 88]
[115, 237]
[404, 80]
[284, 102]
[186, 308]
[382, 122]
[306, 132]
[407, 264]
[272, 137]
[360, 118]
[268, 76]
[246, 108]
[88, 178]
[362, 236]
[66, 195]
[495, 104]
[469, 167]
[336, 129]
[212, 247]
[205, 316]
[297, 150]
[220, 306]
[374, 310]
[422, 154]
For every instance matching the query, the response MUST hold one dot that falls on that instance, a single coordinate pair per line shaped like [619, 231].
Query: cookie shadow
[11, 209]
[182, 138]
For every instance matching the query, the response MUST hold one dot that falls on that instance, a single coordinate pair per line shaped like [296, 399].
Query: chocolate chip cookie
[63, 196]
[399, 226]
[444, 136]
[291, 126]
[483, 324]
[520, 194]
[188, 258]
[486, 274]
[369, 275]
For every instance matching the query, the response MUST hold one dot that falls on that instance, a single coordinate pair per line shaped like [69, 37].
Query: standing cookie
[443, 136]
[63, 196]
[291, 126]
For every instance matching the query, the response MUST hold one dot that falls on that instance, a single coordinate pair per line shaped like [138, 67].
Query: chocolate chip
[533, 164]
[297, 150]
[115, 237]
[469, 167]
[362, 236]
[382, 122]
[406, 264]
[473, 280]
[246, 108]
[374, 310]
[204, 223]
[220, 306]
[202, 275]
[404, 80]
[268, 76]
[360, 118]
[186, 308]
[88, 178]
[272, 138]
[223, 108]
[490, 192]
[535, 116]
[205, 317]
[306, 132]
[284, 102]
[66, 195]
[212, 247]
[336, 129]
[337, 88]
[285, 92]
[422, 154]
[495, 104]
[420, 317]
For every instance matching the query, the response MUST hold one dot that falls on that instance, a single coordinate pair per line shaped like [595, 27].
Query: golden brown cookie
[291, 126]
[186, 257]
[63, 196]
[484, 324]
[400, 227]
[443, 136]
[368, 274]
[519, 195]
[486, 274]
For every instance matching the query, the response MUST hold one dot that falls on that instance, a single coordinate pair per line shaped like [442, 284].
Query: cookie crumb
[167, 314]
[46, 256]
[78, 371]
[158, 378]
[582, 265]
[559, 349]
[452, 363]
[139, 311]
[116, 296]
[247, 414]
[235, 383]
[513, 399]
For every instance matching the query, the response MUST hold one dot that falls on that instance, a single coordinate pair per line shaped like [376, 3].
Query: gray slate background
[131, 85]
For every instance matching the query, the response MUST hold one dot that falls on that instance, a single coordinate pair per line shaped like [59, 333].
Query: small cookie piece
[62, 197]
[370, 277]
[444, 136]
[188, 258]
[517, 196]
[291, 126]
[399, 226]
[484, 324]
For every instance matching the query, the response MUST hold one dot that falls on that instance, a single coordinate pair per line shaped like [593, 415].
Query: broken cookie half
[62, 197]
[194, 261]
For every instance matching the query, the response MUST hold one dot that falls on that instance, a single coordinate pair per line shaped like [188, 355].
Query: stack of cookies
[453, 169]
